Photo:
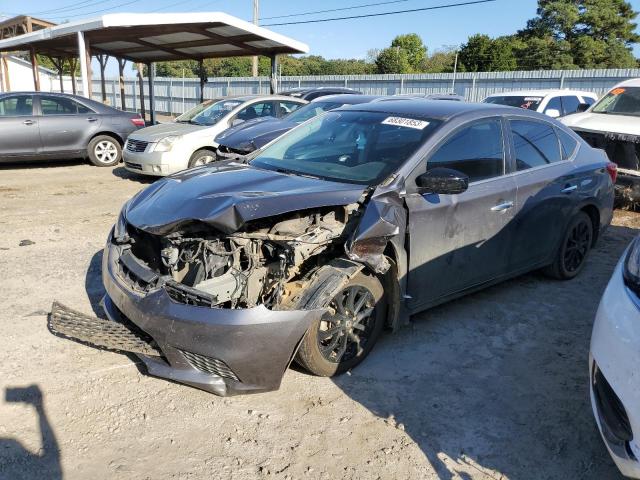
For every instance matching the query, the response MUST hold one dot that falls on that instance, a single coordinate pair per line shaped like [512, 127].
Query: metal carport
[147, 38]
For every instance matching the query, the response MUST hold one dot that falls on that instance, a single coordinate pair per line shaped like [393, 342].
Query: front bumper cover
[222, 351]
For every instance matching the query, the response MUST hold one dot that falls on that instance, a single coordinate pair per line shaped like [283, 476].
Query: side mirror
[445, 181]
[583, 107]
[553, 112]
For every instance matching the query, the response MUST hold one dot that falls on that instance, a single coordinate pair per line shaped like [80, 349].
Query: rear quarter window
[568, 144]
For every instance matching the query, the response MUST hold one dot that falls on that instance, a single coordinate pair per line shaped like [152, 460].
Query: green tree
[415, 50]
[482, 53]
[393, 60]
[600, 33]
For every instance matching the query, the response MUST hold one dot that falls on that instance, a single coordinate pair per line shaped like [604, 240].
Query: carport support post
[152, 103]
[274, 74]
[203, 79]
[141, 85]
[36, 72]
[123, 98]
[84, 70]
[102, 60]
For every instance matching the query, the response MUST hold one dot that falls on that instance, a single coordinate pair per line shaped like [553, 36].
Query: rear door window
[570, 104]
[476, 150]
[554, 104]
[535, 144]
[16, 106]
[285, 107]
[61, 106]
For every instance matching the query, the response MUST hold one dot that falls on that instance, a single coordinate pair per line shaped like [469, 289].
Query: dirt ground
[492, 386]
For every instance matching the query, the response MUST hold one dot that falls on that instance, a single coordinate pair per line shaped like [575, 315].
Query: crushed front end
[218, 308]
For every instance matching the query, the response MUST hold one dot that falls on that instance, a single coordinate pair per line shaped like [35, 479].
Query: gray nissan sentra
[220, 276]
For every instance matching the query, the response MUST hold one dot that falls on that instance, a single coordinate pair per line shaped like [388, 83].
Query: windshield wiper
[299, 174]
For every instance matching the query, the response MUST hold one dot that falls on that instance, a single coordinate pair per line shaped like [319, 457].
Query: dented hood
[226, 196]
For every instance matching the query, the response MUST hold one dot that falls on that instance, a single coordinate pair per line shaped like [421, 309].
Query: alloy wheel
[106, 151]
[345, 330]
[577, 246]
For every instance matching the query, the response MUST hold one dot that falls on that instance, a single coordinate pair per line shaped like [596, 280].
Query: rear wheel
[104, 151]
[574, 249]
[345, 335]
[202, 157]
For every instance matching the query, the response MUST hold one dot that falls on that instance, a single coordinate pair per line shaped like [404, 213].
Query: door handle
[501, 207]
[569, 189]
[91, 119]
[28, 122]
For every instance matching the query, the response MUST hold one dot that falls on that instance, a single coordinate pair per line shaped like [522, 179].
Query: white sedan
[614, 364]
[188, 141]
[553, 103]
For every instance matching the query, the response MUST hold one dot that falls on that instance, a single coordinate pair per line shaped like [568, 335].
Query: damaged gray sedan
[220, 276]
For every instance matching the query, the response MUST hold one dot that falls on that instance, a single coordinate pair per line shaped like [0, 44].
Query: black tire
[104, 151]
[328, 361]
[574, 249]
[202, 157]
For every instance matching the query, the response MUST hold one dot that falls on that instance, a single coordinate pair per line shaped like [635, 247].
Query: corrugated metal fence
[175, 95]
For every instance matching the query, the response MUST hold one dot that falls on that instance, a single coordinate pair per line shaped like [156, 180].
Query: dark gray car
[49, 126]
[347, 224]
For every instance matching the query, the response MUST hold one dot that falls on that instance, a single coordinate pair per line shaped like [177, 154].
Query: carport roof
[152, 37]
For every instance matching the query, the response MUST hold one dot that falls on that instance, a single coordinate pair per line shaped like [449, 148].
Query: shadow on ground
[497, 382]
[16, 461]
[125, 174]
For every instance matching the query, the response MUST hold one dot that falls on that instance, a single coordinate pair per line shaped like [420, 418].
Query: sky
[337, 39]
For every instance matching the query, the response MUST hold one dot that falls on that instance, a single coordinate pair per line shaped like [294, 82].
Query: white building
[20, 76]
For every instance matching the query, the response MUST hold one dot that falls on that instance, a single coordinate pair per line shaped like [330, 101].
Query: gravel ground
[492, 386]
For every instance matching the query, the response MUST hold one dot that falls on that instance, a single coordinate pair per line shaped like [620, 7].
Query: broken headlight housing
[120, 227]
[166, 144]
[631, 267]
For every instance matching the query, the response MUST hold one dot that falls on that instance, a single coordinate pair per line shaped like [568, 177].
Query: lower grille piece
[121, 336]
[210, 365]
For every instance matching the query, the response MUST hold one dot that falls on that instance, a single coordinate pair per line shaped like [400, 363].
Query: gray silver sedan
[55, 126]
[344, 226]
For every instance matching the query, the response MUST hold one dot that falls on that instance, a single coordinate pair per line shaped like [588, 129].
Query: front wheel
[104, 151]
[345, 335]
[574, 249]
[202, 157]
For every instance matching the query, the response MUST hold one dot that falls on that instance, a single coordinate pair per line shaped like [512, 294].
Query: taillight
[138, 122]
[612, 170]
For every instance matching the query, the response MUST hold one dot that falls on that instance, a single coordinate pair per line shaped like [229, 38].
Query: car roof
[347, 98]
[316, 89]
[541, 93]
[634, 82]
[250, 98]
[88, 101]
[434, 109]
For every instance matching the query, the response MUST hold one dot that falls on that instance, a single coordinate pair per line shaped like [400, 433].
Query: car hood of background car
[599, 122]
[254, 135]
[156, 133]
[229, 195]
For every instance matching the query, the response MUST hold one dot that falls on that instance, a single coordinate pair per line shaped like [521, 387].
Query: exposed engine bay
[259, 264]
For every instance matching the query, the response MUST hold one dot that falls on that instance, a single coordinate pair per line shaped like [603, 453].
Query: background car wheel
[574, 249]
[345, 335]
[202, 157]
[104, 151]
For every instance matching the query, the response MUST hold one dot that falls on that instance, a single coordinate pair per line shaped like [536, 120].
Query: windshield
[348, 146]
[519, 101]
[312, 110]
[620, 101]
[189, 114]
[214, 112]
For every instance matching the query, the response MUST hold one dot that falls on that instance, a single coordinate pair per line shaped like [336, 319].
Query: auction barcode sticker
[406, 122]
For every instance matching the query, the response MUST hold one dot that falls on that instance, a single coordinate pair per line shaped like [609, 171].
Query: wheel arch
[594, 214]
[107, 133]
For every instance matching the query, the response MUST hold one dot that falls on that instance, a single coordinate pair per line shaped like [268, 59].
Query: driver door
[460, 241]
